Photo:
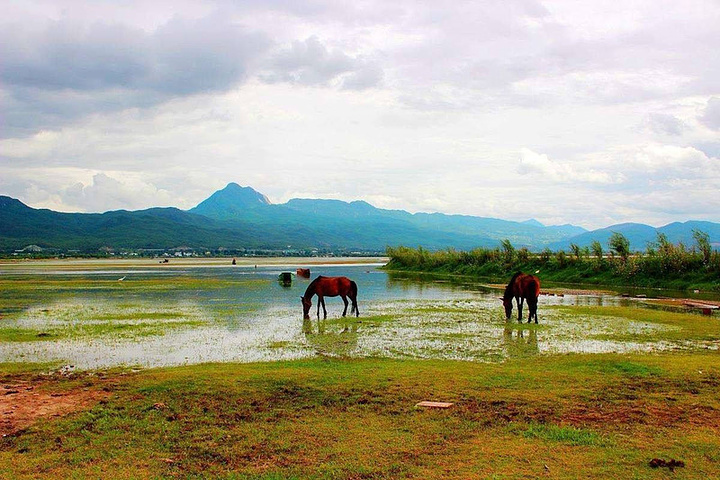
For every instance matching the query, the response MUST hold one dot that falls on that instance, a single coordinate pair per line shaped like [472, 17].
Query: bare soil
[24, 402]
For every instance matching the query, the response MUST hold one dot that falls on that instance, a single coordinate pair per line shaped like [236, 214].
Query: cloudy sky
[591, 113]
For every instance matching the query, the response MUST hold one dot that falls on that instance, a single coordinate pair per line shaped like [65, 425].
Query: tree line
[661, 264]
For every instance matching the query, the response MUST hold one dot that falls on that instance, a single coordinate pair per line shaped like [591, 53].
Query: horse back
[525, 286]
[333, 286]
[528, 286]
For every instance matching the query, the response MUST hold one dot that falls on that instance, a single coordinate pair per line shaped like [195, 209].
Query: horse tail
[353, 297]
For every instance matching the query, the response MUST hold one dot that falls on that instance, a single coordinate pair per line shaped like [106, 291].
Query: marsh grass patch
[73, 320]
[562, 434]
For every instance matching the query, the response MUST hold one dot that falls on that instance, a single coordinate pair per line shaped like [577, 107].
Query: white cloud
[108, 193]
[536, 164]
[658, 162]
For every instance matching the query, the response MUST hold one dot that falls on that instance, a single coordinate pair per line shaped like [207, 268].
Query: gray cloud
[65, 69]
[711, 116]
[664, 124]
[310, 62]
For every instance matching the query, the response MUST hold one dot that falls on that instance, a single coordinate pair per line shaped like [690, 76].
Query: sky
[592, 113]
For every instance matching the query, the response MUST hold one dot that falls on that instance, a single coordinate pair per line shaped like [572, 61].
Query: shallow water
[189, 314]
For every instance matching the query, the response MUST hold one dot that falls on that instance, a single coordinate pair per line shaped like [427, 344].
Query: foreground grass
[570, 416]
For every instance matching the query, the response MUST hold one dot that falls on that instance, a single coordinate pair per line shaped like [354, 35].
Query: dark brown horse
[522, 287]
[330, 287]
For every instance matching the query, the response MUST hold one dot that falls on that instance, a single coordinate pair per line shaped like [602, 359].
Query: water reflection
[520, 342]
[329, 339]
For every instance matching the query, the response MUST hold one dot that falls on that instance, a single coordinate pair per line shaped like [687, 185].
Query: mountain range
[241, 218]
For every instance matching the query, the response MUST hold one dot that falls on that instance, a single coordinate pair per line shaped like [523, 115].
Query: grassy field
[569, 416]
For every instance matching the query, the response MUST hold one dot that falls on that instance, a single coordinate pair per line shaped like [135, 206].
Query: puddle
[191, 315]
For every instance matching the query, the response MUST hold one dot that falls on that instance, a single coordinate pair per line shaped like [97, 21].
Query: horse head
[306, 304]
[507, 303]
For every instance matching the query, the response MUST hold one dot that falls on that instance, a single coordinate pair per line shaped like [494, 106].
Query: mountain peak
[533, 223]
[243, 194]
[231, 201]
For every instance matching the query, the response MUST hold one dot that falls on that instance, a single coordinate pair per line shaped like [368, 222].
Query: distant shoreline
[191, 262]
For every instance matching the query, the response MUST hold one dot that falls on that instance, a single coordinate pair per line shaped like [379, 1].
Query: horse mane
[509, 288]
[310, 291]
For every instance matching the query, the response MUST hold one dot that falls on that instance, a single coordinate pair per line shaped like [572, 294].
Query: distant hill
[640, 235]
[21, 225]
[240, 217]
[378, 227]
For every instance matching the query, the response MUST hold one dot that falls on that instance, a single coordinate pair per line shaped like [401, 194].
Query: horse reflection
[520, 342]
[329, 340]
[350, 326]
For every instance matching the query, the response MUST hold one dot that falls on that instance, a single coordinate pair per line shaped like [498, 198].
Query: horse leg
[320, 300]
[354, 308]
[344, 299]
[519, 301]
[533, 309]
[324, 309]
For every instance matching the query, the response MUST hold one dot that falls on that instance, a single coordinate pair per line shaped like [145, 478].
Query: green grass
[588, 416]
[562, 434]
[116, 329]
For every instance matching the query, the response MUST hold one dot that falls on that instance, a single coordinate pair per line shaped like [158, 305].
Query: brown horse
[303, 272]
[330, 287]
[522, 287]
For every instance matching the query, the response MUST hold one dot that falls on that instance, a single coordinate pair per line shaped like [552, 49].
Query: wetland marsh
[604, 387]
[99, 314]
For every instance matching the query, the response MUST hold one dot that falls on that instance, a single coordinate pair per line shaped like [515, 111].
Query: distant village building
[31, 249]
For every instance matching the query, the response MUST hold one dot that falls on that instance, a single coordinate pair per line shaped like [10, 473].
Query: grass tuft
[563, 434]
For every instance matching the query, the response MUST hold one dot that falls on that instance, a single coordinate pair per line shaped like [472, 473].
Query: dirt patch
[23, 403]
[633, 413]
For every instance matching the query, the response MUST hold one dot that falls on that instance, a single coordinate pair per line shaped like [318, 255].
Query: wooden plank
[701, 305]
[429, 404]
